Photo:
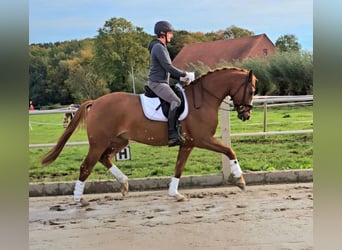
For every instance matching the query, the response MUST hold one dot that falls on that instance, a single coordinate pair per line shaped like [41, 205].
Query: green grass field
[254, 153]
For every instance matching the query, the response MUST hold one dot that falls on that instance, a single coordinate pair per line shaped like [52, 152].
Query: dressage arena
[271, 217]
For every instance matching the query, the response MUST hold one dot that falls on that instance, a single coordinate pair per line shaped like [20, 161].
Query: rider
[161, 69]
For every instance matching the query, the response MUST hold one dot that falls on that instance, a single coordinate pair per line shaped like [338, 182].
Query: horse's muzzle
[244, 116]
[244, 112]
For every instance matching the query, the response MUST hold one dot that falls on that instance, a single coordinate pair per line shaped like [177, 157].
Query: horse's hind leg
[85, 170]
[115, 171]
[106, 160]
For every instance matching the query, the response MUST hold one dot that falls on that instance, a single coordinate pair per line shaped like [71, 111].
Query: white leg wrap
[78, 191]
[235, 168]
[118, 174]
[173, 187]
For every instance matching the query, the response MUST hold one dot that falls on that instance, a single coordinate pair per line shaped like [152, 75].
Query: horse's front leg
[183, 155]
[236, 172]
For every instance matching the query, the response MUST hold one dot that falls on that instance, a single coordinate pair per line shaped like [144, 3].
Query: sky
[63, 20]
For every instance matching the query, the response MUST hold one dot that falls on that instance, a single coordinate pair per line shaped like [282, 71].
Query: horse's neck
[225, 81]
[204, 95]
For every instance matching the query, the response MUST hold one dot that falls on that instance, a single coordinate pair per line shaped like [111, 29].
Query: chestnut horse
[114, 119]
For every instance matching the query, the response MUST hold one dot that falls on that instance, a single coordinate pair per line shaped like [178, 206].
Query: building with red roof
[212, 53]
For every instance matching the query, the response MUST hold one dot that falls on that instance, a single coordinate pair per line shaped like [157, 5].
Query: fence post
[225, 133]
[265, 116]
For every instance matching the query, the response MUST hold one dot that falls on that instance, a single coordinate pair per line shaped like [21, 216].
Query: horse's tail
[79, 118]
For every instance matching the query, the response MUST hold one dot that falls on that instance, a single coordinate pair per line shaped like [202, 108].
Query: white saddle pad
[150, 105]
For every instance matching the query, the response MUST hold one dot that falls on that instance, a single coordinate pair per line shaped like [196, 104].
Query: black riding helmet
[161, 27]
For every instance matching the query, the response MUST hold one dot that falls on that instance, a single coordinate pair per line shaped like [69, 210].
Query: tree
[119, 48]
[288, 43]
[83, 83]
[233, 32]
[48, 73]
[37, 73]
[72, 71]
[182, 38]
[292, 73]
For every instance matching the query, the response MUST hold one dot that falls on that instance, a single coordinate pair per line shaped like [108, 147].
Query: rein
[198, 100]
[211, 93]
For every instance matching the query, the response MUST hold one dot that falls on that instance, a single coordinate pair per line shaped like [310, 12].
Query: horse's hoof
[242, 186]
[179, 197]
[84, 203]
[124, 188]
[239, 182]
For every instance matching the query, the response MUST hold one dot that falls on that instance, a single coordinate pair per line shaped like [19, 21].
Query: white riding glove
[188, 78]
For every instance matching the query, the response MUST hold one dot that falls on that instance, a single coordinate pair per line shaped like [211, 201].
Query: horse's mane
[215, 70]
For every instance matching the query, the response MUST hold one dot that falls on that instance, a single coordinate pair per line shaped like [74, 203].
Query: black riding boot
[174, 133]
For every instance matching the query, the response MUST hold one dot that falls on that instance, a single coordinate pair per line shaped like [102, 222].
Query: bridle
[243, 107]
[240, 108]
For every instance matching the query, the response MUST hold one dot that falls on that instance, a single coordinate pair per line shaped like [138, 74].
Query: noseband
[242, 107]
